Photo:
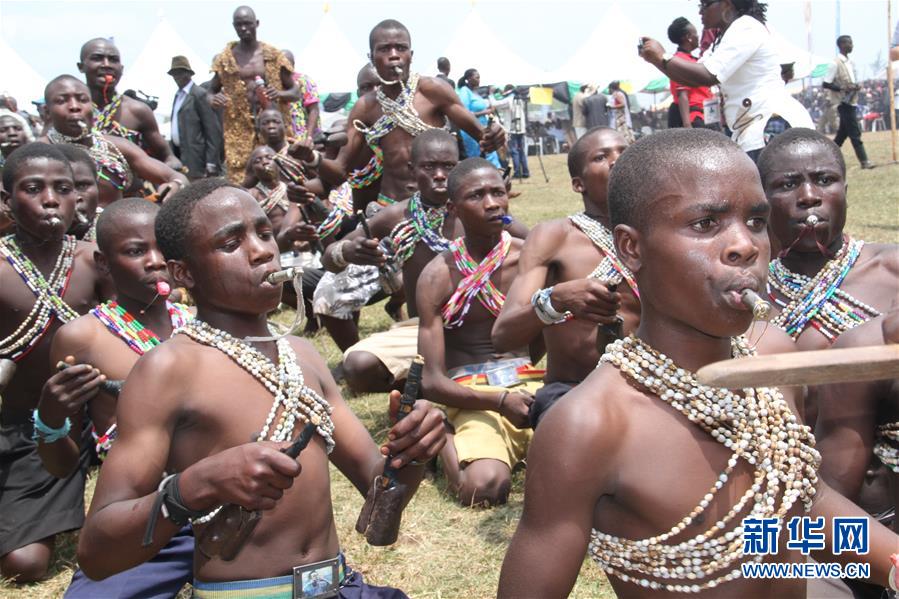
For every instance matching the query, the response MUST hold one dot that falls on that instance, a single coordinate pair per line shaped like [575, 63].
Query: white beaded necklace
[47, 292]
[292, 398]
[758, 427]
[610, 269]
[274, 196]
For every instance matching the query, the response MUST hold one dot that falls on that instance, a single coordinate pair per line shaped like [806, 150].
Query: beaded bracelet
[337, 254]
[42, 433]
[544, 309]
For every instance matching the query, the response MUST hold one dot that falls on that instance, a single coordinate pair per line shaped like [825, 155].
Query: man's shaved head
[431, 138]
[245, 11]
[386, 25]
[109, 223]
[89, 45]
[791, 139]
[647, 168]
[48, 91]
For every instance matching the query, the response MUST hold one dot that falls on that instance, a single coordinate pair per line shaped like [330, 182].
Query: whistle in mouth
[506, 219]
[761, 309]
[163, 288]
[811, 220]
[80, 216]
[283, 276]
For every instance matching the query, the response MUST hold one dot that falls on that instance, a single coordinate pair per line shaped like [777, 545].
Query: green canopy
[662, 84]
[820, 70]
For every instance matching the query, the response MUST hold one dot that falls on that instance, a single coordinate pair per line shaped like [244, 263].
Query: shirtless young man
[46, 279]
[107, 342]
[824, 281]
[233, 88]
[640, 450]
[220, 246]
[460, 292]
[571, 262]
[381, 361]
[117, 159]
[116, 114]
[404, 106]
[87, 191]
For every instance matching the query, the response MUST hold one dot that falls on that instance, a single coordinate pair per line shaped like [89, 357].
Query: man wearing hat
[196, 130]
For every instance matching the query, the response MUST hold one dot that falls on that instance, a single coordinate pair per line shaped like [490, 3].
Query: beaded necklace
[423, 224]
[396, 113]
[111, 163]
[293, 400]
[818, 301]
[47, 292]
[138, 337]
[610, 269]
[475, 281]
[275, 197]
[341, 199]
[104, 121]
[371, 172]
[758, 427]
[886, 446]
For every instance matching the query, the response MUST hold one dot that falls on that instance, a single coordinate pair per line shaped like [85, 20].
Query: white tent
[476, 46]
[330, 59]
[149, 71]
[804, 61]
[19, 79]
[609, 53]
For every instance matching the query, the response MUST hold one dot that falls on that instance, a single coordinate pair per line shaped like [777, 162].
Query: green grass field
[448, 551]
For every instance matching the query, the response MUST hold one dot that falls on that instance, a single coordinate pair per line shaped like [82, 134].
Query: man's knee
[485, 483]
[29, 563]
[365, 372]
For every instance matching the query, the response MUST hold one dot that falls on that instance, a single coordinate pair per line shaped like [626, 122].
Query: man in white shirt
[843, 84]
[196, 130]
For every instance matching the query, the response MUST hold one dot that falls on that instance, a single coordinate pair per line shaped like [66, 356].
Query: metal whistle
[761, 308]
[811, 220]
[284, 276]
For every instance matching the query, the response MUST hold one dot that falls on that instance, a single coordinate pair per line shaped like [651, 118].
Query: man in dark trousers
[196, 130]
[842, 81]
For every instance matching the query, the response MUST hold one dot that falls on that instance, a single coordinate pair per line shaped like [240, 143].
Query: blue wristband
[45, 434]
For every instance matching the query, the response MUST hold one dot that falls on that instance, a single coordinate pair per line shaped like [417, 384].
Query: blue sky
[49, 34]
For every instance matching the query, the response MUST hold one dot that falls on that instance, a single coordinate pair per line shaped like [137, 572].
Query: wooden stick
[804, 368]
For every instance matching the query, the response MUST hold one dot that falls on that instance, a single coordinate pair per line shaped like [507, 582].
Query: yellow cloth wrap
[484, 434]
[395, 347]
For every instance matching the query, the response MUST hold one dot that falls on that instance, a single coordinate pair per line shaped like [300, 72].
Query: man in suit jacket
[196, 130]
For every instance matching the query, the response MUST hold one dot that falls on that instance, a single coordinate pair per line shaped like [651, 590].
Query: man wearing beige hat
[196, 130]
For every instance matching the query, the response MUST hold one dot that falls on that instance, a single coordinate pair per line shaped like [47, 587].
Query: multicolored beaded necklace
[818, 301]
[475, 281]
[341, 200]
[423, 224]
[104, 121]
[396, 113]
[610, 270]
[275, 197]
[138, 337]
[47, 292]
[371, 172]
[111, 163]
[759, 427]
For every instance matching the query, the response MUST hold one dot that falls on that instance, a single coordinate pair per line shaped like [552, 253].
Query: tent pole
[890, 84]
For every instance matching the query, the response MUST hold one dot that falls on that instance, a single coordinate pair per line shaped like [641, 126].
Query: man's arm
[213, 137]
[147, 167]
[518, 324]
[290, 91]
[446, 99]
[685, 72]
[312, 115]
[563, 485]
[65, 394]
[418, 437]
[336, 171]
[356, 248]
[253, 475]
[215, 96]
[431, 291]
[156, 144]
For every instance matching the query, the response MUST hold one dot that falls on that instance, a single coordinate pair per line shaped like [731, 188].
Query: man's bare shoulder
[434, 281]
[887, 254]
[78, 335]
[142, 112]
[385, 219]
[772, 341]
[436, 90]
[367, 109]
[593, 415]
[547, 238]
[865, 335]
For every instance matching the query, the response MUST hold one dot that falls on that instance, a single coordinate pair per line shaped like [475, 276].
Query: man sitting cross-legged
[652, 474]
[212, 407]
[107, 342]
[487, 393]
[568, 271]
[47, 278]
